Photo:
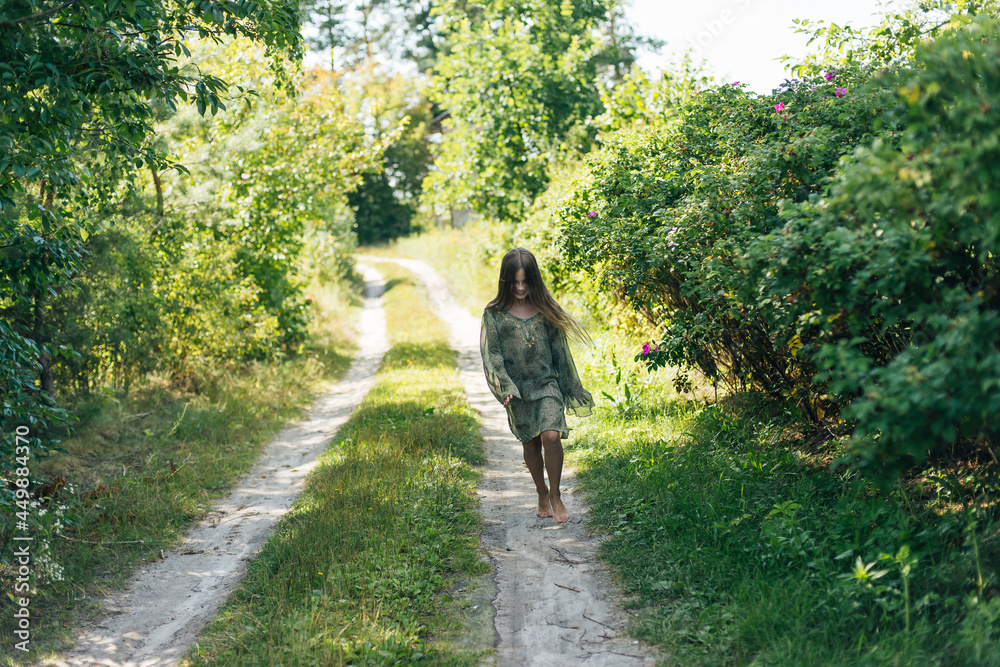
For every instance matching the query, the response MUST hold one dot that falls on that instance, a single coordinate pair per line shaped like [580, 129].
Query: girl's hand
[506, 401]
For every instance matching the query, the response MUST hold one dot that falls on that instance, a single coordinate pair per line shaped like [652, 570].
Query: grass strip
[736, 546]
[356, 570]
[138, 470]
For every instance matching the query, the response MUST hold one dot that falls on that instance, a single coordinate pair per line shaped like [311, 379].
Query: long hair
[538, 294]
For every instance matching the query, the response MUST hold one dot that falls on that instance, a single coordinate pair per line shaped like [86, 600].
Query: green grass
[139, 470]
[736, 546]
[358, 571]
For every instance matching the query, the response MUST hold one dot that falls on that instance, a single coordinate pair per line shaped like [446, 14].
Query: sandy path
[155, 621]
[555, 604]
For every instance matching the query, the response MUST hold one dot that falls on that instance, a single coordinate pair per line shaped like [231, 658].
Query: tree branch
[41, 15]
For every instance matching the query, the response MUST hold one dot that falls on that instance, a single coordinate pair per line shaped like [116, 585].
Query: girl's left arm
[577, 400]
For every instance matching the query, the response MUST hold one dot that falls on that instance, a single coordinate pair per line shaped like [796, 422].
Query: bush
[663, 217]
[833, 243]
[893, 273]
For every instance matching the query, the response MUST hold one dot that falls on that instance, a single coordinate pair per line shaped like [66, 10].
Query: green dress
[530, 360]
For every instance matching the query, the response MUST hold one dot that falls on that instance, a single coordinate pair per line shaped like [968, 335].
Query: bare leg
[533, 459]
[552, 444]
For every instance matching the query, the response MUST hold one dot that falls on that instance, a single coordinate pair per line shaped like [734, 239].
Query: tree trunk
[45, 360]
[159, 192]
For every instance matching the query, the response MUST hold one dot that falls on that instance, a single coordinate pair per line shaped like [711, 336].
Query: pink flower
[736, 83]
[645, 349]
[829, 75]
[840, 92]
[592, 214]
[779, 107]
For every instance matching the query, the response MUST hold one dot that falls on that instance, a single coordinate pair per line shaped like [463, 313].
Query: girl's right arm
[493, 364]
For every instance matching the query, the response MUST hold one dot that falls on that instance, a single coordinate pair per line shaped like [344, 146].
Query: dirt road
[555, 605]
[154, 623]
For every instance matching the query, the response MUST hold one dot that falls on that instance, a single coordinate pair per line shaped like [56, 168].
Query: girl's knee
[551, 439]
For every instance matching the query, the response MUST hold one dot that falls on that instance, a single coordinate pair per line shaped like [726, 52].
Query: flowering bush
[834, 243]
[678, 205]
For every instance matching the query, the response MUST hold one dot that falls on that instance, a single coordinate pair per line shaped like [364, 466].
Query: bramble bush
[833, 243]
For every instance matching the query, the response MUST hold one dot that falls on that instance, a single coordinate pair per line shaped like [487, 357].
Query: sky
[739, 39]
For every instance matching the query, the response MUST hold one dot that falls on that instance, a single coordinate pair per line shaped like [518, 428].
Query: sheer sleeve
[578, 401]
[493, 365]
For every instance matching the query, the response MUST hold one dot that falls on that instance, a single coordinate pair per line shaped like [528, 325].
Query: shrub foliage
[833, 243]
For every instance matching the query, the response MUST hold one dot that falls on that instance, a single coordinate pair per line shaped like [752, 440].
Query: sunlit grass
[356, 573]
[469, 258]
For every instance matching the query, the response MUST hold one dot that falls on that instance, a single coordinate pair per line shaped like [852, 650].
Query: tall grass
[136, 471]
[356, 572]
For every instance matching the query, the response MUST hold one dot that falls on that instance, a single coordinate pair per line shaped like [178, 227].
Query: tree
[81, 84]
[311, 154]
[519, 82]
[397, 114]
[352, 31]
[329, 20]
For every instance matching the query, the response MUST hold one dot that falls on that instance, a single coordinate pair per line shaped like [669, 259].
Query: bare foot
[562, 516]
[544, 506]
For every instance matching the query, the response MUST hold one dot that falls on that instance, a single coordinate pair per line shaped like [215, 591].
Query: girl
[529, 369]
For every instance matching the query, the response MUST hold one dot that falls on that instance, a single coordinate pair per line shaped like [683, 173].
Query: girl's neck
[522, 308]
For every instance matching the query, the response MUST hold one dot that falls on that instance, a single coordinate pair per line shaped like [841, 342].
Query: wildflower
[592, 214]
[840, 92]
[813, 89]
[736, 83]
[779, 107]
[645, 349]
[829, 75]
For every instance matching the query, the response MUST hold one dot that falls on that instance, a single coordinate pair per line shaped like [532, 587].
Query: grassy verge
[355, 573]
[138, 470]
[737, 546]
